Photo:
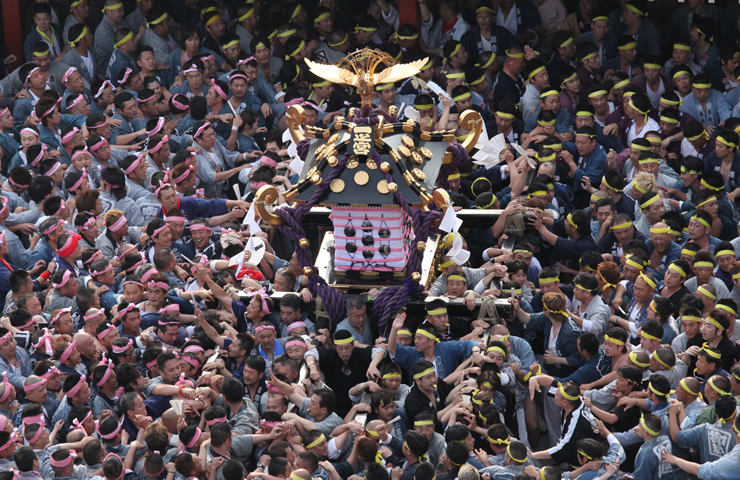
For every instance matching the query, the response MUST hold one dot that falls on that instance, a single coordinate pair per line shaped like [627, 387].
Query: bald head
[302, 473]
[33, 379]
[85, 344]
[169, 420]
[692, 383]
[376, 426]
[640, 356]
[501, 330]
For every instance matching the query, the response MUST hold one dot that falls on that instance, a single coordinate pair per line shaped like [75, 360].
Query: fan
[492, 152]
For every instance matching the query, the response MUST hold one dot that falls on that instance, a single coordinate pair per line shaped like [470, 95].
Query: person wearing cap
[105, 33]
[81, 56]
[705, 104]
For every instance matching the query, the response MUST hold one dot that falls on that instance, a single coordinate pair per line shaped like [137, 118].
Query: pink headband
[201, 129]
[62, 205]
[148, 274]
[264, 327]
[134, 164]
[45, 340]
[246, 60]
[111, 434]
[295, 101]
[161, 186]
[48, 112]
[144, 100]
[238, 75]
[16, 184]
[35, 419]
[220, 92]
[65, 278]
[38, 433]
[200, 226]
[60, 463]
[4, 111]
[67, 353]
[119, 350]
[30, 322]
[295, 325]
[53, 169]
[73, 391]
[193, 68]
[192, 441]
[102, 141]
[44, 148]
[127, 251]
[131, 282]
[34, 386]
[118, 224]
[94, 257]
[296, 343]
[177, 103]
[159, 145]
[70, 135]
[123, 468]
[265, 160]
[51, 229]
[78, 99]
[68, 74]
[203, 58]
[107, 373]
[78, 184]
[173, 307]
[193, 362]
[125, 76]
[267, 423]
[216, 420]
[151, 364]
[30, 74]
[77, 424]
[129, 307]
[159, 230]
[174, 219]
[30, 130]
[157, 127]
[5, 338]
[93, 315]
[78, 153]
[86, 226]
[100, 91]
[60, 313]
[10, 442]
[261, 292]
[137, 265]
[184, 175]
[104, 333]
[6, 393]
[53, 370]
[193, 349]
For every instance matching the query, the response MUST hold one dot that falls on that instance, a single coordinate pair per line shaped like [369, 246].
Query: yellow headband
[659, 230]
[424, 373]
[668, 119]
[603, 180]
[423, 332]
[316, 442]
[567, 42]
[656, 391]
[688, 252]
[504, 114]
[567, 396]
[246, 15]
[570, 220]
[680, 46]
[456, 50]
[500, 441]
[566, 80]
[714, 387]
[621, 226]
[548, 280]
[621, 84]
[508, 448]
[548, 158]
[441, 310]
[159, 20]
[640, 266]
[392, 375]
[536, 71]
[727, 309]
[701, 204]
[709, 294]
[514, 55]
[725, 252]
[462, 96]
[453, 176]
[652, 200]
[633, 357]
[286, 33]
[496, 349]
[703, 264]
[483, 8]
[421, 423]
[724, 141]
[213, 20]
[230, 44]
[714, 322]
[403, 331]
[479, 80]
[687, 389]
[125, 39]
[615, 341]
[321, 17]
[343, 341]
[298, 49]
[702, 85]
[455, 75]
[80, 36]
[627, 47]
[648, 280]
[677, 269]
[660, 361]
[112, 7]
[549, 92]
[648, 336]
[710, 187]
[636, 10]
[653, 66]
[642, 418]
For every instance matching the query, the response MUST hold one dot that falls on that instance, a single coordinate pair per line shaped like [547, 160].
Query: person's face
[683, 84]
[195, 80]
[325, 26]
[217, 28]
[456, 287]
[33, 306]
[312, 116]
[193, 43]
[725, 262]
[427, 382]
[65, 324]
[454, 184]
[251, 376]
[132, 323]
[426, 430]
[289, 315]
[585, 145]
[76, 83]
[202, 237]
[603, 213]
[552, 103]
[168, 197]
[611, 349]
[156, 295]
[42, 21]
[147, 61]
[239, 87]
[262, 54]
[172, 368]
[176, 228]
[584, 121]
[386, 411]
[314, 406]
[404, 340]
[345, 351]
[37, 395]
[623, 386]
[629, 54]
[642, 290]
[388, 96]
[691, 328]
[266, 338]
[702, 366]
[697, 229]
[651, 74]
[164, 239]
[655, 211]
[701, 94]
[208, 138]
[484, 18]
[357, 318]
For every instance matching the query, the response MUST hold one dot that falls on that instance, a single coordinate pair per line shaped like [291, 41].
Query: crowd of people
[152, 330]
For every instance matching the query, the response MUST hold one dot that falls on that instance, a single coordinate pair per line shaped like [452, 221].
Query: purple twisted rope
[459, 158]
